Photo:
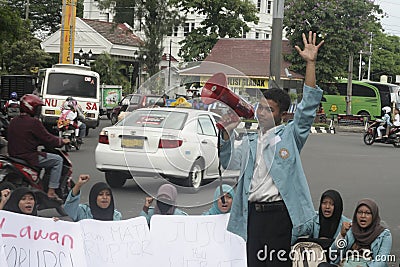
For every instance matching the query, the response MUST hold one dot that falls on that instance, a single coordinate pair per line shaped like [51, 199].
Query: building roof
[115, 33]
[248, 56]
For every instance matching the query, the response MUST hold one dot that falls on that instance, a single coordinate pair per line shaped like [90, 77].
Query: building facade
[262, 30]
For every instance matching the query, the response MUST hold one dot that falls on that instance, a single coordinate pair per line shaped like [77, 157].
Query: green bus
[368, 97]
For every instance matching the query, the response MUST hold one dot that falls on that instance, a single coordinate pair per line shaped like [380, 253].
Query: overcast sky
[391, 24]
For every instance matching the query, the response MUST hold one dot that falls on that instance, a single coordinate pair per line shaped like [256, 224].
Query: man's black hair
[280, 96]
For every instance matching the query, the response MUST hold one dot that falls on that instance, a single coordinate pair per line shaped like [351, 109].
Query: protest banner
[181, 241]
[33, 241]
[117, 243]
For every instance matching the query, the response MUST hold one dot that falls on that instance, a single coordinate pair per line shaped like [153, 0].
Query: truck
[68, 80]
[21, 84]
[111, 95]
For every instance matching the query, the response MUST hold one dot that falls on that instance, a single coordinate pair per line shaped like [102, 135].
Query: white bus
[64, 80]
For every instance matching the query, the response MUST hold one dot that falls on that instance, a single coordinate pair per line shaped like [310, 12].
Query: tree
[385, 58]
[223, 18]
[110, 70]
[45, 16]
[345, 25]
[24, 55]
[155, 18]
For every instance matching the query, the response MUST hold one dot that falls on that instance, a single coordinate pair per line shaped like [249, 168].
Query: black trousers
[269, 232]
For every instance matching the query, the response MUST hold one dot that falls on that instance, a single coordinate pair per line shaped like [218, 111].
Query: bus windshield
[66, 84]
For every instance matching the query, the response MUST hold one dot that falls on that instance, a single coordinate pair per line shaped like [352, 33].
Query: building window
[258, 5]
[257, 35]
[175, 31]
[244, 35]
[266, 36]
[186, 29]
[269, 7]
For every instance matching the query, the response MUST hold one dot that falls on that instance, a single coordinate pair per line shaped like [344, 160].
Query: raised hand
[310, 51]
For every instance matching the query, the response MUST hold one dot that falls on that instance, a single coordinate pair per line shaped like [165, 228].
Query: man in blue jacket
[272, 196]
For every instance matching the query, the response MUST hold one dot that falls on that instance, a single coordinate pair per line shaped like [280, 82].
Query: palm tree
[111, 71]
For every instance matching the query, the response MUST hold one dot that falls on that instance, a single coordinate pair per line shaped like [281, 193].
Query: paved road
[340, 162]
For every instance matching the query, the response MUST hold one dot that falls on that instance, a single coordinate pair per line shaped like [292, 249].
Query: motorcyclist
[71, 103]
[385, 121]
[26, 133]
[11, 107]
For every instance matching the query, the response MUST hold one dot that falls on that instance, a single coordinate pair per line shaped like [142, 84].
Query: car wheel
[196, 175]
[114, 118]
[115, 179]
[368, 139]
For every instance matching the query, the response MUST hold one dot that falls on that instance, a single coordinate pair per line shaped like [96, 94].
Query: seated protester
[165, 203]
[365, 233]
[22, 200]
[218, 207]
[101, 202]
[328, 221]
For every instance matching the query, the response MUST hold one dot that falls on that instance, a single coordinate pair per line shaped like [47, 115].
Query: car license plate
[132, 142]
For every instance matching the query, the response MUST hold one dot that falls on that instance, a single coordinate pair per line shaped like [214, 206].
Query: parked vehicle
[132, 102]
[176, 143]
[15, 172]
[111, 95]
[371, 135]
[367, 99]
[21, 84]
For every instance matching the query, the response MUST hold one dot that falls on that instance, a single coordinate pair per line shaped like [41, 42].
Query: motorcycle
[15, 172]
[371, 134]
[66, 130]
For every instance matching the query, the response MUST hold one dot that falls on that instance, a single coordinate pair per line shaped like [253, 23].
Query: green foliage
[110, 70]
[23, 55]
[223, 18]
[345, 26]
[385, 56]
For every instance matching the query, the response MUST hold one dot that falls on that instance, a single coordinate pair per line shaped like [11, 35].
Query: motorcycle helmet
[31, 104]
[386, 109]
[14, 96]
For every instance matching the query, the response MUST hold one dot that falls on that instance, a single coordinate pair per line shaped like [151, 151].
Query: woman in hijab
[165, 203]
[365, 233]
[218, 206]
[328, 220]
[101, 202]
[22, 200]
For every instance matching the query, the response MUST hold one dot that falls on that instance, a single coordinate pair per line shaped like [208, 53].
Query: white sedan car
[176, 143]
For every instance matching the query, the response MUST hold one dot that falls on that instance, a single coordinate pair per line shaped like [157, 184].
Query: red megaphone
[216, 88]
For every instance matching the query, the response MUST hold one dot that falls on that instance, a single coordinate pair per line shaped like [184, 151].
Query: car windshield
[155, 119]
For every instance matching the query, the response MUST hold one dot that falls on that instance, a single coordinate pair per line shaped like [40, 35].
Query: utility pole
[27, 10]
[369, 60]
[349, 85]
[169, 63]
[276, 44]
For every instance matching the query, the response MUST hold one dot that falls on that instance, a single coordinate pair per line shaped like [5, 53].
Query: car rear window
[155, 119]
[135, 100]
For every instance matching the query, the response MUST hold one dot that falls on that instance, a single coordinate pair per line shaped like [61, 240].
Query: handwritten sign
[34, 241]
[117, 243]
[3, 262]
[174, 241]
[181, 241]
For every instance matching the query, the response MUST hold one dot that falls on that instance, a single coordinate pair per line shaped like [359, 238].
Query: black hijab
[98, 213]
[16, 196]
[329, 226]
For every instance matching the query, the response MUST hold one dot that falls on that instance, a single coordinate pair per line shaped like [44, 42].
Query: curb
[323, 130]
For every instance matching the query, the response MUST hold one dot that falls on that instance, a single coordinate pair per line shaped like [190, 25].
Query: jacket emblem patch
[284, 153]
